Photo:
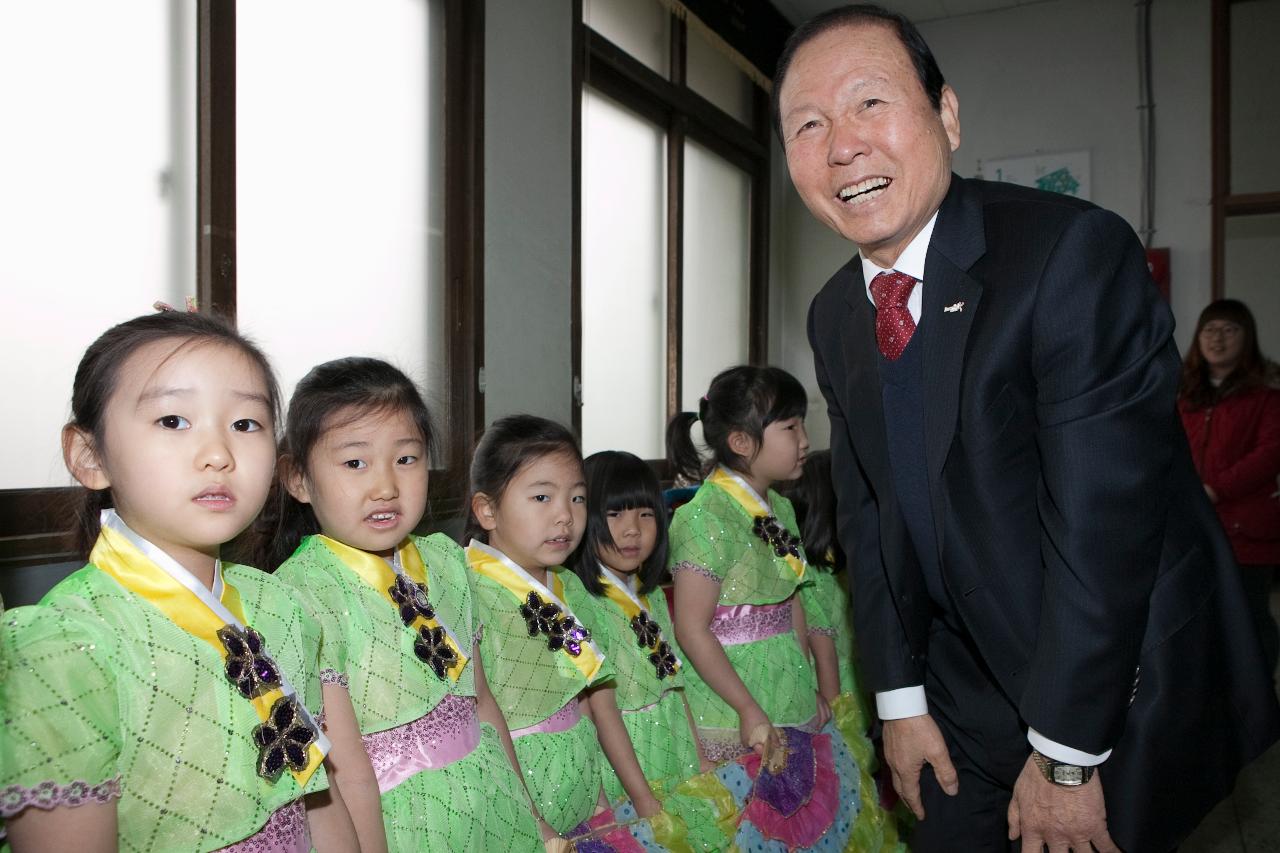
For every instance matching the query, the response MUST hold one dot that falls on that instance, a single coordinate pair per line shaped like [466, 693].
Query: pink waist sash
[747, 623]
[285, 832]
[561, 721]
[445, 734]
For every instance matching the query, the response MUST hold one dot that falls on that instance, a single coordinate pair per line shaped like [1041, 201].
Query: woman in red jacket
[1232, 420]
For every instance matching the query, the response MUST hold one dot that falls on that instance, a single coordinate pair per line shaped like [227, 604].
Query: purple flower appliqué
[283, 740]
[648, 634]
[664, 660]
[412, 600]
[248, 665]
[432, 647]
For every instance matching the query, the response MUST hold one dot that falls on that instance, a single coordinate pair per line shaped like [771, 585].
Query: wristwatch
[1067, 775]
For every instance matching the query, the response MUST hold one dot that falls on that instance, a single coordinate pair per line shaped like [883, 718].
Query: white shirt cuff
[1065, 754]
[900, 703]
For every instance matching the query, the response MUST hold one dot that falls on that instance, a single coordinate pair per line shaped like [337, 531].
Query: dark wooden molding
[677, 124]
[1220, 34]
[464, 229]
[758, 241]
[37, 526]
[216, 167]
[1251, 204]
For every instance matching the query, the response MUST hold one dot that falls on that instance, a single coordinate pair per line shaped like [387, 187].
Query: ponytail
[682, 453]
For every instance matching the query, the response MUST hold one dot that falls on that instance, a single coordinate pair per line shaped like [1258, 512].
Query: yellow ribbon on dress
[377, 573]
[629, 607]
[589, 660]
[118, 557]
[753, 504]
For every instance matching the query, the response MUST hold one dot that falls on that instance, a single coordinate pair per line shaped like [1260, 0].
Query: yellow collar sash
[404, 587]
[648, 632]
[544, 611]
[782, 544]
[287, 737]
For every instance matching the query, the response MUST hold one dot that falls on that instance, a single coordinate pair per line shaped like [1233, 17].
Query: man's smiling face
[868, 153]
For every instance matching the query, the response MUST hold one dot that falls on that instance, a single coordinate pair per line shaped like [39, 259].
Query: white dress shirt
[910, 701]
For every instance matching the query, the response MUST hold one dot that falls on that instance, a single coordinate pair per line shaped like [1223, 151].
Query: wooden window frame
[1227, 204]
[684, 114]
[36, 524]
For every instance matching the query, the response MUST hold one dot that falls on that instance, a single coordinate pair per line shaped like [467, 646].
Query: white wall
[527, 208]
[1055, 76]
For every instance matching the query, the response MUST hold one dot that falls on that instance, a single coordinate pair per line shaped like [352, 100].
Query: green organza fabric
[101, 689]
[474, 804]
[364, 638]
[530, 683]
[712, 535]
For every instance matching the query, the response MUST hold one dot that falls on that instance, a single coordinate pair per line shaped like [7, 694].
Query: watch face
[1067, 774]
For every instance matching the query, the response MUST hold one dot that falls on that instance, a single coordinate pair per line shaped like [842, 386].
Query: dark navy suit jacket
[1075, 540]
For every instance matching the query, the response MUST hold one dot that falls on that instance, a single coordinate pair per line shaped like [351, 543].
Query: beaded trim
[332, 676]
[686, 566]
[51, 795]
[826, 632]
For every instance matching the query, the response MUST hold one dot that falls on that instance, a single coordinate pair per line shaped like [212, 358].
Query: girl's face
[366, 479]
[1222, 345]
[542, 513]
[634, 532]
[188, 447]
[782, 452]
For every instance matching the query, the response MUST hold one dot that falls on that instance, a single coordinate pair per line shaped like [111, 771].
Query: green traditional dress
[636, 636]
[832, 594]
[538, 659]
[112, 690]
[823, 797]
[445, 780]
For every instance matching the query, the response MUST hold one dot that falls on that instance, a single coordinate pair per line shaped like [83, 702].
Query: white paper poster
[1065, 172]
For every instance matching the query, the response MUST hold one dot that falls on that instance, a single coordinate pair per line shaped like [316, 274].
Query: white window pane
[623, 280]
[640, 27]
[1252, 247]
[716, 284]
[97, 197]
[340, 184]
[714, 76]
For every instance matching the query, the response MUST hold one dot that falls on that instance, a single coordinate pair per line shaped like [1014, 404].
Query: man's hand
[1062, 817]
[908, 744]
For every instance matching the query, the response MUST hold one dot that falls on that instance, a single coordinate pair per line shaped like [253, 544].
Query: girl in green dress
[742, 614]
[159, 698]
[528, 513]
[418, 741]
[642, 716]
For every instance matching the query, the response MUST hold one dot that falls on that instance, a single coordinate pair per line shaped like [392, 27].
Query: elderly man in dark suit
[1045, 605]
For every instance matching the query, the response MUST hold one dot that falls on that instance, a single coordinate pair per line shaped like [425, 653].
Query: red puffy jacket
[1235, 444]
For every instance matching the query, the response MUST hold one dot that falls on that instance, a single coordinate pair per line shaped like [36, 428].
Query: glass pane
[640, 27]
[97, 197]
[715, 280]
[340, 184]
[624, 399]
[1255, 111]
[1252, 252]
[711, 74]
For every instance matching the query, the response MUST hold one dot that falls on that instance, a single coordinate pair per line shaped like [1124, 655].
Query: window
[1246, 177]
[671, 225]
[284, 162]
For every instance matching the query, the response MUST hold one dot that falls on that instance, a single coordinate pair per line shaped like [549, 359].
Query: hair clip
[193, 306]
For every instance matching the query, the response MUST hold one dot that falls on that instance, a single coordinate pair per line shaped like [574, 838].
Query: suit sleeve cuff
[900, 703]
[1065, 754]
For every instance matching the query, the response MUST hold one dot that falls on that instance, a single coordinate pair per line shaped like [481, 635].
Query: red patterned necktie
[894, 325]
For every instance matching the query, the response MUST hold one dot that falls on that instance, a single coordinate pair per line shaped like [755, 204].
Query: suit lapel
[865, 410]
[951, 301]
